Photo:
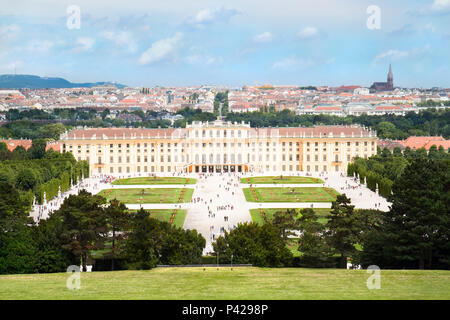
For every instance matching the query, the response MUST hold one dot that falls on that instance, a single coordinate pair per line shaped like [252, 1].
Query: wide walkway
[218, 205]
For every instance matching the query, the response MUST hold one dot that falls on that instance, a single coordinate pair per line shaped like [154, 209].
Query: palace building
[218, 147]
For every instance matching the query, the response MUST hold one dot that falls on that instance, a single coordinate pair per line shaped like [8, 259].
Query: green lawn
[166, 214]
[241, 283]
[305, 194]
[151, 195]
[279, 180]
[155, 180]
[257, 217]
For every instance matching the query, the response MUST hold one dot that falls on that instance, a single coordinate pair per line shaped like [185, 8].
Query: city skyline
[231, 43]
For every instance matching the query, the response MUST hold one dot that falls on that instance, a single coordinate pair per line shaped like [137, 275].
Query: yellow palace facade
[218, 146]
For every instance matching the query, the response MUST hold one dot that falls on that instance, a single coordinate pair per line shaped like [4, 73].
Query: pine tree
[343, 228]
[417, 228]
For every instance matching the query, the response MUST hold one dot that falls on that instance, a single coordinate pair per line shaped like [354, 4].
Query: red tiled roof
[12, 144]
[53, 145]
[389, 108]
[328, 108]
[445, 144]
[113, 133]
[419, 142]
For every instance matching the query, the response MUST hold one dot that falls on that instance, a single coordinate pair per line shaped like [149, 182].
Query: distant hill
[20, 81]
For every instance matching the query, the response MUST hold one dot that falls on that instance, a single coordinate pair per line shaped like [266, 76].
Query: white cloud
[293, 63]
[263, 37]
[439, 5]
[208, 16]
[122, 39]
[308, 32]
[394, 54]
[161, 49]
[9, 31]
[40, 46]
[203, 59]
[84, 44]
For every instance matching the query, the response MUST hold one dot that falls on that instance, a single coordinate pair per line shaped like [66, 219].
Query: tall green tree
[118, 221]
[285, 221]
[37, 149]
[343, 228]
[315, 251]
[145, 241]
[17, 251]
[261, 246]
[84, 221]
[417, 228]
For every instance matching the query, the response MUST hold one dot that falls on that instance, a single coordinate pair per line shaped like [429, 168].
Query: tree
[183, 247]
[51, 131]
[262, 246]
[145, 241]
[315, 251]
[19, 153]
[17, 252]
[417, 227]
[284, 221]
[117, 219]
[51, 256]
[84, 222]
[26, 179]
[37, 149]
[343, 228]
[386, 130]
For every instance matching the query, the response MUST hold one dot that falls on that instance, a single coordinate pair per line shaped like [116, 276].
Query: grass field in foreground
[155, 181]
[278, 180]
[305, 194]
[151, 195]
[241, 283]
[257, 217]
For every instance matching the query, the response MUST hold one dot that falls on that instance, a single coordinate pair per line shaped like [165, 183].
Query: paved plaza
[218, 202]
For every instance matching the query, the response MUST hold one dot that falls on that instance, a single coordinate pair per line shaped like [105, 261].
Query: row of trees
[384, 168]
[415, 232]
[86, 223]
[36, 171]
[425, 123]
[34, 124]
[221, 103]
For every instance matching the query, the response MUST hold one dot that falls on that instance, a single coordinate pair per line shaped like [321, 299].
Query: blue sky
[181, 43]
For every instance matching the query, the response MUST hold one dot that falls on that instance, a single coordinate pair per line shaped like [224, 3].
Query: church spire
[390, 79]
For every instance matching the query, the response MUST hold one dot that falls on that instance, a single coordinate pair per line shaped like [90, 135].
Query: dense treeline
[36, 124]
[426, 123]
[383, 169]
[36, 171]
[190, 115]
[23, 124]
[415, 232]
[84, 224]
